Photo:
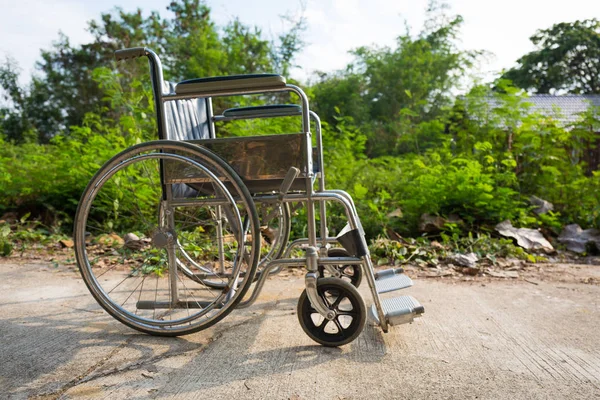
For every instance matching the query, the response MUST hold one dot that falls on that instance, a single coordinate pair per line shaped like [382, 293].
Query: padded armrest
[275, 110]
[230, 83]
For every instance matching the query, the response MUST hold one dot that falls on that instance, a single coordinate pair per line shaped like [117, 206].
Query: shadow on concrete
[40, 354]
[236, 355]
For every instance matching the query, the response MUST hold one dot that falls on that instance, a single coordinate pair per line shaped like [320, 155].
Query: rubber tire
[357, 325]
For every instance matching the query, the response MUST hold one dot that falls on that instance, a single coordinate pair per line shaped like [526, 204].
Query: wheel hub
[162, 239]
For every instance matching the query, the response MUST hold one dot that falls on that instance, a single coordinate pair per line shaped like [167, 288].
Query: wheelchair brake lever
[289, 179]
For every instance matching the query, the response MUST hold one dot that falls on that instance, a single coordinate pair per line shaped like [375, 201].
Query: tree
[396, 94]
[567, 58]
[13, 111]
[66, 91]
[190, 46]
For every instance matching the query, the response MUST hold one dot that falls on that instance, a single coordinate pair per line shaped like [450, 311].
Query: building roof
[566, 109]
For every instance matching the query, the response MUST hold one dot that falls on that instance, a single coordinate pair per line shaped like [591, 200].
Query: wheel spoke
[321, 328]
[133, 291]
[108, 270]
[119, 284]
[337, 323]
[140, 295]
[347, 313]
[337, 301]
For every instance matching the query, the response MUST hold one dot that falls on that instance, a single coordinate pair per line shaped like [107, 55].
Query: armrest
[274, 110]
[230, 83]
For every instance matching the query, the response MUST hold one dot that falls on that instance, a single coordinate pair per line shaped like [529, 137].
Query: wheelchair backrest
[186, 119]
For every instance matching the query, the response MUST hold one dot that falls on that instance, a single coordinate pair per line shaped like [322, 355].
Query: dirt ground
[535, 336]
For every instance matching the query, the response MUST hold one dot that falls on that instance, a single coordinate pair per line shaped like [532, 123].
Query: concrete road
[492, 340]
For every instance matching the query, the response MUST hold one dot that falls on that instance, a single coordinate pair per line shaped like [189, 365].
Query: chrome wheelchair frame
[228, 178]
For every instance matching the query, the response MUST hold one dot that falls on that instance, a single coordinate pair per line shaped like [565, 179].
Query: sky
[334, 27]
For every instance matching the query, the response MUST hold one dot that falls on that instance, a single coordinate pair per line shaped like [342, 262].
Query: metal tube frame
[171, 247]
[345, 200]
[220, 244]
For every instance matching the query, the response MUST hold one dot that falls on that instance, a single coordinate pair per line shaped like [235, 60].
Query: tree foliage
[190, 45]
[390, 91]
[566, 59]
[395, 137]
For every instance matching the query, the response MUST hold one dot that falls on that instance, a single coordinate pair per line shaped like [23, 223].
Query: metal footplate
[399, 310]
[391, 279]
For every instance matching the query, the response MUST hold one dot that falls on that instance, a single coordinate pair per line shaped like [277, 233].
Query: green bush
[49, 178]
[473, 172]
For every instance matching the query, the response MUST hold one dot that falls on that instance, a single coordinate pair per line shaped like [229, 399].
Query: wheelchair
[211, 217]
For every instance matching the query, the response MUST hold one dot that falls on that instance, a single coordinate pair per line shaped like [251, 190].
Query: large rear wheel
[177, 206]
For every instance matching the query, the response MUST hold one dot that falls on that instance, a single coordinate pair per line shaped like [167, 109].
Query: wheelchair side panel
[261, 161]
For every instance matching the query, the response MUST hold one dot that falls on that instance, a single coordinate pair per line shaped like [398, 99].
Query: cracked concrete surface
[501, 340]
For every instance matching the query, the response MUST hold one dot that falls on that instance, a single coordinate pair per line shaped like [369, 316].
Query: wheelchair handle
[132, 53]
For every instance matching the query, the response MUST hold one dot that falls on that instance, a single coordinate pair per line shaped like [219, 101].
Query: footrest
[391, 279]
[399, 310]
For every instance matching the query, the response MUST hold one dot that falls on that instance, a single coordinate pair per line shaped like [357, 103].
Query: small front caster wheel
[349, 273]
[350, 313]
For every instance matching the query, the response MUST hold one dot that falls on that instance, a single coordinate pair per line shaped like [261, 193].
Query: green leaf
[360, 191]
